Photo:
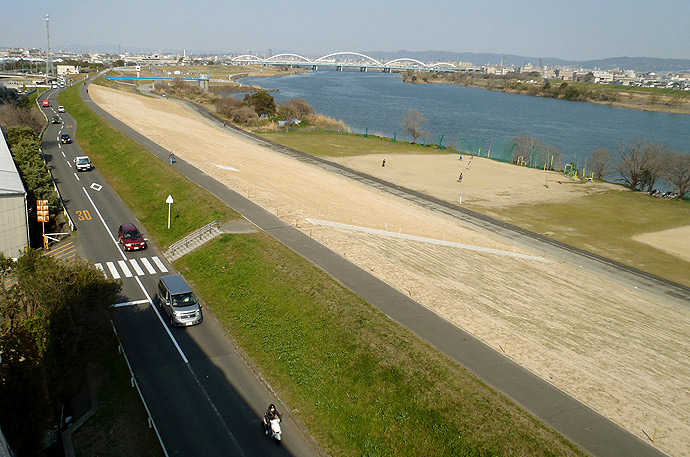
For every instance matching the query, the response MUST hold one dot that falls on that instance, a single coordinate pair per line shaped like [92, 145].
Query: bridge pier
[314, 67]
[339, 68]
[386, 70]
[364, 69]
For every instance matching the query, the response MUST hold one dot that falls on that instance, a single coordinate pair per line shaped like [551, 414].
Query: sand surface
[623, 354]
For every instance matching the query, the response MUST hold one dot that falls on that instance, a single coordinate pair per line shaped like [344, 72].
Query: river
[376, 102]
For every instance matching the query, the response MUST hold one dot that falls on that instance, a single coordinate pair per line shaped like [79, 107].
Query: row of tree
[641, 165]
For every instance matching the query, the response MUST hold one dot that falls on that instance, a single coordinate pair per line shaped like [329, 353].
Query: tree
[677, 172]
[226, 105]
[656, 159]
[262, 102]
[599, 163]
[54, 323]
[413, 122]
[299, 107]
[244, 115]
[634, 166]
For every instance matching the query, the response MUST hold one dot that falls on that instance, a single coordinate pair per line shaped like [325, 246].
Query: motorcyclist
[270, 414]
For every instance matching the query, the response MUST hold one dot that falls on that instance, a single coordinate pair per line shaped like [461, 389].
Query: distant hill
[639, 64]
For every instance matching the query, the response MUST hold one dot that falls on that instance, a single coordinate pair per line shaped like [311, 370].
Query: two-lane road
[204, 398]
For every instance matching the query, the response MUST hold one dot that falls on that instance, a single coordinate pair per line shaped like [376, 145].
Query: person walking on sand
[383, 164]
[460, 159]
[172, 158]
[469, 164]
[460, 178]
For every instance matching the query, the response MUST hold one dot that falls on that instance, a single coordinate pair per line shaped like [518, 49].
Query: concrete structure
[14, 214]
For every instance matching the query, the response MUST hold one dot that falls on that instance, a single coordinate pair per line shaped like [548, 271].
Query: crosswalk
[118, 269]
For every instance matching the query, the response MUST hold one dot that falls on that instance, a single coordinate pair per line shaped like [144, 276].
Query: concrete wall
[14, 232]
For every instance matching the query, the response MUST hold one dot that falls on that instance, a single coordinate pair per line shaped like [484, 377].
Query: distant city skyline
[584, 30]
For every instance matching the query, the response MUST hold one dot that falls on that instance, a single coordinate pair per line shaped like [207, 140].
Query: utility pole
[49, 62]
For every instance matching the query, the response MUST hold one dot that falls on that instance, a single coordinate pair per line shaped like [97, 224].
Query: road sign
[42, 211]
[169, 201]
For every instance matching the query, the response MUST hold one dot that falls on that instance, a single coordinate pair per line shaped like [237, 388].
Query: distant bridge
[348, 59]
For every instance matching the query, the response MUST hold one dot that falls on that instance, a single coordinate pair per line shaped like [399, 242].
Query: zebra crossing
[118, 269]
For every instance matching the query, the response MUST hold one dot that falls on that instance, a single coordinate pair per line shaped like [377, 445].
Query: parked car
[65, 139]
[131, 238]
[82, 163]
[55, 120]
[61, 109]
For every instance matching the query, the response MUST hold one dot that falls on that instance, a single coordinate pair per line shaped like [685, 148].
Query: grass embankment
[142, 180]
[360, 382]
[602, 223]
[331, 144]
[119, 426]
[606, 223]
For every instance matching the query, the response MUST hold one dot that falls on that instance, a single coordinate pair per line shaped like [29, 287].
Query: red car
[46, 103]
[131, 238]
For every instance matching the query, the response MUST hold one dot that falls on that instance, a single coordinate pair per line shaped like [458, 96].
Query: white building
[14, 214]
[63, 70]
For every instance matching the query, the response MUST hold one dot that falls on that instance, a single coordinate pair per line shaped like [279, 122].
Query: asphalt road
[205, 398]
[577, 422]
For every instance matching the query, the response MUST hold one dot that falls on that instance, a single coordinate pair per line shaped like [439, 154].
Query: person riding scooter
[270, 414]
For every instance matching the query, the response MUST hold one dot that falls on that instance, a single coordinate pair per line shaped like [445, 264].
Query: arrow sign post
[169, 201]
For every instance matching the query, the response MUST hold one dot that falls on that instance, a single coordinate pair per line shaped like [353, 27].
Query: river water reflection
[377, 102]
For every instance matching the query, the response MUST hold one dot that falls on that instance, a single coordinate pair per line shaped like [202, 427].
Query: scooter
[273, 430]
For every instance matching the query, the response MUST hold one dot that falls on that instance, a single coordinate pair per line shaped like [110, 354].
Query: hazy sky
[578, 30]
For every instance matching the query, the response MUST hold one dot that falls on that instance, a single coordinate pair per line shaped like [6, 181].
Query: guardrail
[152, 423]
[196, 235]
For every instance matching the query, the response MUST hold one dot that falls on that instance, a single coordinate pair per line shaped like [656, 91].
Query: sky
[571, 30]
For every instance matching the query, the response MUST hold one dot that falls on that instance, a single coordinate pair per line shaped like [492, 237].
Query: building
[14, 214]
[565, 74]
[63, 70]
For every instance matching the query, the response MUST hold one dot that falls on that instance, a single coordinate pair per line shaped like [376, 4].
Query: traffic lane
[177, 405]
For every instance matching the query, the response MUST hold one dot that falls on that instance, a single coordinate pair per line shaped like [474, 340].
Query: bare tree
[677, 171]
[656, 156]
[12, 115]
[226, 105]
[413, 122]
[299, 107]
[633, 162]
[599, 163]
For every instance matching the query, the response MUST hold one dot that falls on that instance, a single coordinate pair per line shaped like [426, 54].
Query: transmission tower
[49, 62]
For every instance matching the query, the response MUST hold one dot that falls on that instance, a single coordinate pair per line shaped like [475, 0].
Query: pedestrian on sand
[460, 178]
[460, 158]
[383, 164]
[469, 164]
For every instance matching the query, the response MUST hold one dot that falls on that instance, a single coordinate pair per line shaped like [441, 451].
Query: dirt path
[623, 354]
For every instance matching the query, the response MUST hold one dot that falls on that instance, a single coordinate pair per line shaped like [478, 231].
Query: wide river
[377, 102]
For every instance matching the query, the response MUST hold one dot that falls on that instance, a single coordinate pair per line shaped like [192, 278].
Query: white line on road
[113, 270]
[63, 154]
[69, 163]
[159, 264]
[76, 176]
[148, 265]
[125, 268]
[136, 267]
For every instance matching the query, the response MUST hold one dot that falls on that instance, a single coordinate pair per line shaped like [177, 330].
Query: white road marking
[136, 267]
[69, 163]
[159, 264]
[225, 167]
[77, 176]
[125, 268]
[63, 154]
[148, 265]
[130, 303]
[96, 187]
[113, 270]
[425, 240]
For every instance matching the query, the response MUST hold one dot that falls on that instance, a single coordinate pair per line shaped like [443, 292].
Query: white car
[83, 163]
[61, 109]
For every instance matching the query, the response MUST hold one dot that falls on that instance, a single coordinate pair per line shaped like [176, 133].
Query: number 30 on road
[83, 215]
